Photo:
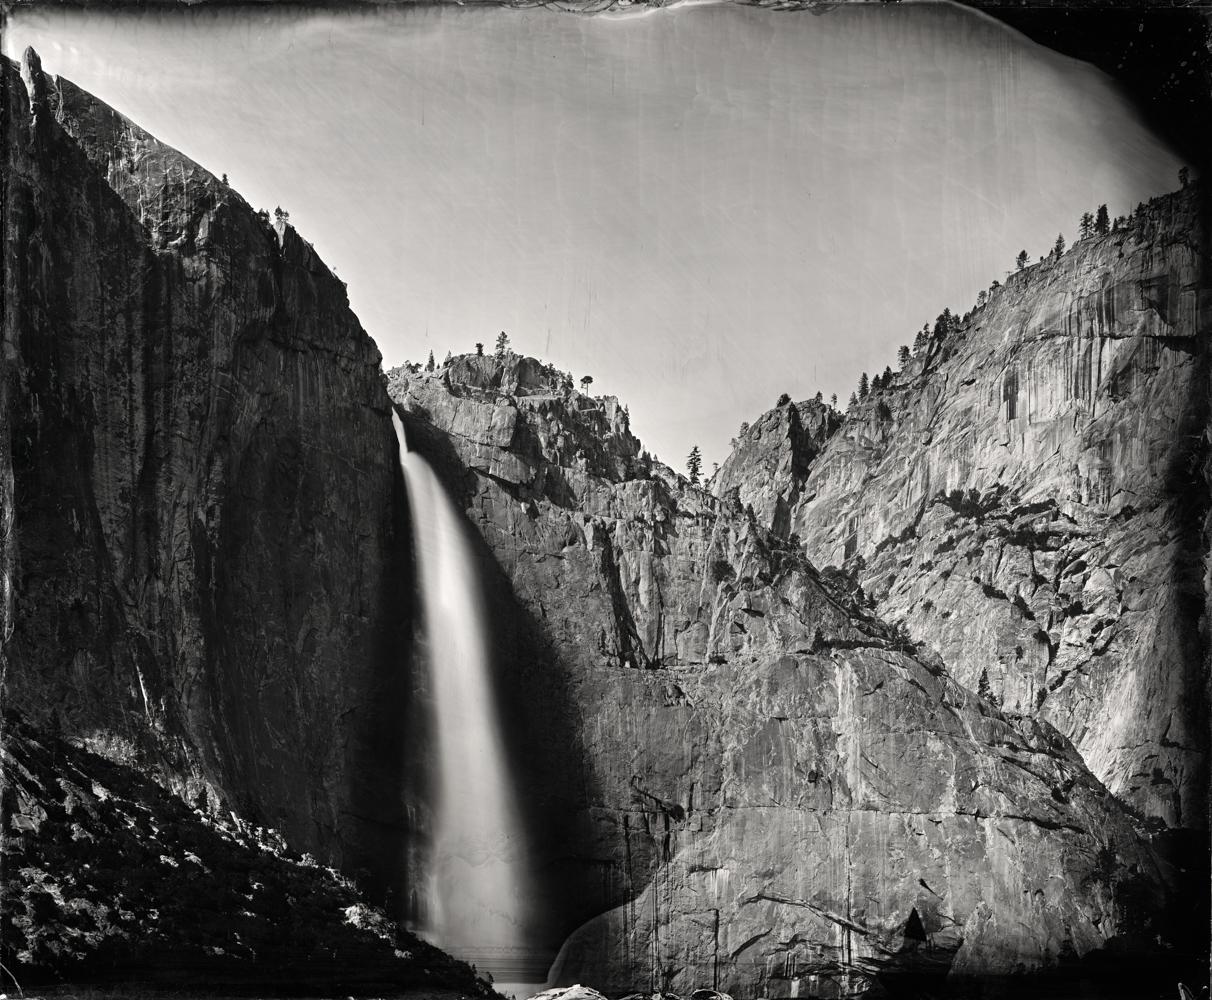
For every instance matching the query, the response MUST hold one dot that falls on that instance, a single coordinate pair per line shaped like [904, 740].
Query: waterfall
[477, 883]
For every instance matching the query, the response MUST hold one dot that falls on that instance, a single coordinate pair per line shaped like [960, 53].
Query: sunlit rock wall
[1069, 412]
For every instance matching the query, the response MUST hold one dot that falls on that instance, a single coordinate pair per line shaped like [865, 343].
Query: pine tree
[853, 401]
[449, 356]
[502, 344]
[981, 298]
[864, 386]
[1086, 227]
[429, 366]
[887, 376]
[919, 341]
[1102, 221]
[982, 685]
[819, 397]
[784, 399]
[479, 350]
[694, 465]
[902, 357]
[586, 382]
[1021, 260]
[833, 401]
[1058, 247]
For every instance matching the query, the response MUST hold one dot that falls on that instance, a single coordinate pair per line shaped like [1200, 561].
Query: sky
[702, 207]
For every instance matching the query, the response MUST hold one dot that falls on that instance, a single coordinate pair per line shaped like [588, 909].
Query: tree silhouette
[887, 376]
[864, 386]
[694, 465]
[1086, 226]
[1058, 247]
[853, 401]
[902, 356]
[429, 366]
[586, 382]
[981, 298]
[1102, 221]
[784, 399]
[502, 344]
[1021, 260]
[833, 400]
[479, 350]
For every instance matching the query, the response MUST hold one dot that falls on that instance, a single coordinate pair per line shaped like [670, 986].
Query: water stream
[474, 902]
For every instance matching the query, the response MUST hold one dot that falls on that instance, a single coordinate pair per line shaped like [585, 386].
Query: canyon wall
[204, 562]
[752, 781]
[1026, 499]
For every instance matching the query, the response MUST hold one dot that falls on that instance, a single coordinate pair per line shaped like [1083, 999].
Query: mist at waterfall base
[472, 903]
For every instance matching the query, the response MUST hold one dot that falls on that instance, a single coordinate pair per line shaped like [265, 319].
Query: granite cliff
[738, 769]
[203, 548]
[1026, 498]
[761, 786]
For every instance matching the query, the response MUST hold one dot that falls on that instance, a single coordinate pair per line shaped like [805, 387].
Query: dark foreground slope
[764, 788]
[108, 877]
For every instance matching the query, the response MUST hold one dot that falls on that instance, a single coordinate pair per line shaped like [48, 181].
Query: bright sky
[702, 207]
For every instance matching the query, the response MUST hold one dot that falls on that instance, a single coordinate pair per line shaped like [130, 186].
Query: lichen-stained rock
[1025, 498]
[789, 785]
[198, 481]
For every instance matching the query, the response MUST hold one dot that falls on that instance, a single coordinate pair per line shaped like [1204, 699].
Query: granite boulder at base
[766, 788]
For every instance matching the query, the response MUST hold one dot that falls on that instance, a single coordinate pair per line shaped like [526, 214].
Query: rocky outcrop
[1026, 499]
[763, 783]
[204, 568]
[107, 875]
[769, 461]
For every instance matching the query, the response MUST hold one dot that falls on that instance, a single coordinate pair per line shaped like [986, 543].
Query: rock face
[763, 786]
[203, 557]
[769, 463]
[1026, 499]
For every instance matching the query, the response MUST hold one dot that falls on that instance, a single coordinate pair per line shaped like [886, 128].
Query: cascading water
[474, 901]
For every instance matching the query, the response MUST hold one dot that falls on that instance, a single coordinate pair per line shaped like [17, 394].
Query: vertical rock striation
[764, 788]
[1026, 499]
[201, 567]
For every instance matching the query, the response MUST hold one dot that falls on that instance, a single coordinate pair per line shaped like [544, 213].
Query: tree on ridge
[694, 465]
